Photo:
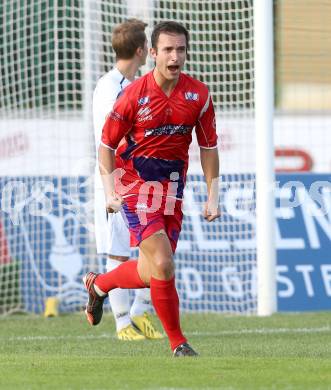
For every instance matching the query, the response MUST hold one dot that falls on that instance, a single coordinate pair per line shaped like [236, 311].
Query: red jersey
[151, 133]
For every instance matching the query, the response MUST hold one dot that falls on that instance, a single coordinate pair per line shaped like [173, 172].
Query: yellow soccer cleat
[146, 327]
[129, 333]
[51, 307]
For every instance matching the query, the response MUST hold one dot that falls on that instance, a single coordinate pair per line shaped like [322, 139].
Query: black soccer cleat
[184, 350]
[94, 304]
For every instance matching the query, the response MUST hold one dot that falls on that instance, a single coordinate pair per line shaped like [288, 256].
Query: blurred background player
[156, 114]
[112, 236]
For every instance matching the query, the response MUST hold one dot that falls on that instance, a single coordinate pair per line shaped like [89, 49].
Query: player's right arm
[107, 169]
[117, 125]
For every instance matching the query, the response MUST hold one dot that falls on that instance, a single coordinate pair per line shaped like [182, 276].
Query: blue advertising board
[303, 240]
[47, 223]
[47, 240]
[222, 272]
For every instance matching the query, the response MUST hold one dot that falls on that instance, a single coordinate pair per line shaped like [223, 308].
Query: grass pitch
[285, 351]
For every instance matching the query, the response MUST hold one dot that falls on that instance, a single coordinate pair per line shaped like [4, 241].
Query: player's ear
[153, 52]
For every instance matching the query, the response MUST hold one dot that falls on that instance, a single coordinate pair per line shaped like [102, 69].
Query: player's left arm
[210, 166]
[207, 139]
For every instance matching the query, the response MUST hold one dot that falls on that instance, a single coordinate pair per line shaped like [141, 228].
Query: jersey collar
[179, 82]
[120, 78]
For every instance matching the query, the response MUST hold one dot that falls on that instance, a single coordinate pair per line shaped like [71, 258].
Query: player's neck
[166, 85]
[128, 68]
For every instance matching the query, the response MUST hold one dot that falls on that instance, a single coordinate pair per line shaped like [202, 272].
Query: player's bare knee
[164, 267]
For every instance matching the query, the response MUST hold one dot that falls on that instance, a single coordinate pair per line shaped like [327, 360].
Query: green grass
[285, 351]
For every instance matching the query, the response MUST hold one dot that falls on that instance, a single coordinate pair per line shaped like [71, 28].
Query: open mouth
[173, 68]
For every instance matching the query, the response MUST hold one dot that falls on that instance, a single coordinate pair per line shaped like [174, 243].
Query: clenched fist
[113, 203]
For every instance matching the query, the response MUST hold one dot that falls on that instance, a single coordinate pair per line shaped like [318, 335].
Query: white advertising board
[49, 147]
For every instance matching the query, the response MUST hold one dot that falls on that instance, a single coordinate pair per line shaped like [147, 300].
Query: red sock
[166, 303]
[124, 276]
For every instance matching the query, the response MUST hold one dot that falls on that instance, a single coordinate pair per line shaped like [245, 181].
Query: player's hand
[211, 211]
[114, 203]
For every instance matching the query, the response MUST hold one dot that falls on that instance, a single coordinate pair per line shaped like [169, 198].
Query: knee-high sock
[166, 303]
[119, 300]
[124, 276]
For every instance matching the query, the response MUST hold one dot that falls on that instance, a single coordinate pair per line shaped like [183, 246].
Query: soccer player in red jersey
[150, 130]
[112, 235]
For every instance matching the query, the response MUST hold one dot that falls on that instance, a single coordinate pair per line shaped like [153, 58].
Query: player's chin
[173, 72]
[172, 77]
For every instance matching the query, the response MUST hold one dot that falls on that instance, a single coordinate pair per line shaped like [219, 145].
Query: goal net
[52, 52]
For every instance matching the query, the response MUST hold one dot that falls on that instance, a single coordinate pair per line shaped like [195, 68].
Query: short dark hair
[168, 27]
[127, 37]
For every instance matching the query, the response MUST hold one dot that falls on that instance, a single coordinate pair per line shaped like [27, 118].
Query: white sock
[142, 302]
[99, 291]
[119, 300]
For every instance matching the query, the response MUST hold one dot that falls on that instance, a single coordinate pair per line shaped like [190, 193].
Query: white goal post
[52, 54]
[265, 171]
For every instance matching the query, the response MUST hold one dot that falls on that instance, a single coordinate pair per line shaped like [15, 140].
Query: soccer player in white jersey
[112, 236]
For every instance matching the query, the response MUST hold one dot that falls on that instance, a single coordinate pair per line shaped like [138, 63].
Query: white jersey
[112, 235]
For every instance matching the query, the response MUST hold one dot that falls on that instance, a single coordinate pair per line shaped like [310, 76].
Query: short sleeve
[118, 123]
[104, 98]
[206, 126]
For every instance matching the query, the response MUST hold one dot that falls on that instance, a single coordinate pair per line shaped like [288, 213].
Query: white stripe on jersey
[106, 146]
[205, 107]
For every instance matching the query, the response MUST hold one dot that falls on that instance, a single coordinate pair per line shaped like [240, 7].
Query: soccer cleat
[184, 350]
[51, 307]
[145, 325]
[94, 304]
[129, 333]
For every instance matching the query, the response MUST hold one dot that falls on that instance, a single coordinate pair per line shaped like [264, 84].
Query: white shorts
[112, 235]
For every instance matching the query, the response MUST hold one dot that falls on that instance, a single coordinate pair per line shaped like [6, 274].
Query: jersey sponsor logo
[144, 111]
[144, 114]
[115, 116]
[145, 118]
[192, 96]
[143, 100]
[168, 130]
